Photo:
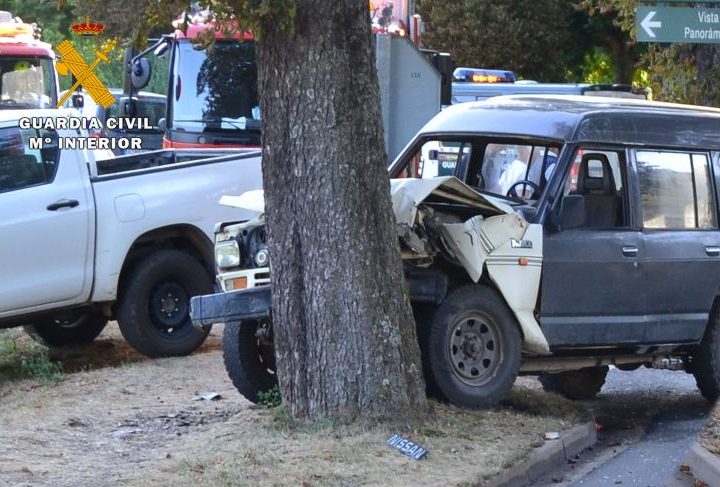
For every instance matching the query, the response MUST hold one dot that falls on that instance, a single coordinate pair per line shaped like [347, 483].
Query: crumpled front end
[442, 221]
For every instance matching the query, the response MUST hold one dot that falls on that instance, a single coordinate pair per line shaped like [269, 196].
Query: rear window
[676, 190]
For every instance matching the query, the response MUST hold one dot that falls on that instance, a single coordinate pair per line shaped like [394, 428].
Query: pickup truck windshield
[215, 88]
[26, 82]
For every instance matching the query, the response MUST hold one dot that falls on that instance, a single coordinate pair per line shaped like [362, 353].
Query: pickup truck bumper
[255, 302]
[244, 304]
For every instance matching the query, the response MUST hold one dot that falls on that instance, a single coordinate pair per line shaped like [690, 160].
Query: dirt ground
[119, 418]
[710, 436]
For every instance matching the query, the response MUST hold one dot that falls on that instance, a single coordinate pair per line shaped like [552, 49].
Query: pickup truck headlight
[227, 254]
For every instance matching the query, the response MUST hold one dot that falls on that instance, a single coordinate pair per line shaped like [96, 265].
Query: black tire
[249, 360]
[576, 384]
[705, 363]
[474, 347]
[423, 314]
[153, 311]
[67, 329]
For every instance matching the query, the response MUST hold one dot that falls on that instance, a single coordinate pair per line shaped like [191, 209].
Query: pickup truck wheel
[474, 347]
[72, 328]
[153, 312]
[576, 384]
[705, 363]
[249, 357]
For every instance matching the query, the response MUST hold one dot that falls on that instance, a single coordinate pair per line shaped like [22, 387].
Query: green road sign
[677, 24]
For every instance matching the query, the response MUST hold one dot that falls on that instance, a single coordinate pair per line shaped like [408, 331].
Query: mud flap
[244, 304]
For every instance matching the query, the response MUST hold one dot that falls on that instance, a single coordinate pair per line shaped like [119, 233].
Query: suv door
[590, 294]
[681, 261]
[45, 223]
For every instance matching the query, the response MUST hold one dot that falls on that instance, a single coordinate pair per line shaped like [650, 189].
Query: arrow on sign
[648, 24]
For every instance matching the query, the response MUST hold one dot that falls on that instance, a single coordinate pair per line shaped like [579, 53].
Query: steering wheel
[512, 191]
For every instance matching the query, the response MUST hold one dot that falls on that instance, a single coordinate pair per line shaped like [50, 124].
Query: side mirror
[162, 124]
[140, 73]
[433, 154]
[78, 101]
[572, 212]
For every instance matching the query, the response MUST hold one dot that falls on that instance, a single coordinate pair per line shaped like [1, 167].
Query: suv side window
[598, 176]
[22, 166]
[675, 190]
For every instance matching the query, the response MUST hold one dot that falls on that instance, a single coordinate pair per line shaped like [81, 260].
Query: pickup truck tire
[153, 311]
[249, 362]
[705, 363]
[576, 384]
[474, 347]
[77, 328]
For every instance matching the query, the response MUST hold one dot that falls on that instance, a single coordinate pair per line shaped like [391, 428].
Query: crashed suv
[540, 235]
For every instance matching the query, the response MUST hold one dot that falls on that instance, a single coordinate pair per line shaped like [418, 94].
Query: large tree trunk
[344, 331]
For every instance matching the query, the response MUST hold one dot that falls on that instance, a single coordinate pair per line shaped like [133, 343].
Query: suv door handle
[62, 204]
[629, 251]
[712, 251]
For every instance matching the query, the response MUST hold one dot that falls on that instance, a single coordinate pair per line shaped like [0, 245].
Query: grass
[23, 358]
[269, 447]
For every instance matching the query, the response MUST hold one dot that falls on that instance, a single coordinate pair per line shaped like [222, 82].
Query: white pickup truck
[84, 241]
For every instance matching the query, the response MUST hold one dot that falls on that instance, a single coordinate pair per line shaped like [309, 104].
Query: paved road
[649, 420]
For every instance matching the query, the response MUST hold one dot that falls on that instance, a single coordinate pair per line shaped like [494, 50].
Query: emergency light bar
[479, 75]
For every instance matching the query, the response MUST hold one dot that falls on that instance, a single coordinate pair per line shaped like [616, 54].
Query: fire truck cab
[212, 98]
[27, 74]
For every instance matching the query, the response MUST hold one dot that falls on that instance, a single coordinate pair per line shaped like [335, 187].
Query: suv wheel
[576, 384]
[474, 347]
[249, 357]
[72, 328]
[153, 312]
[706, 360]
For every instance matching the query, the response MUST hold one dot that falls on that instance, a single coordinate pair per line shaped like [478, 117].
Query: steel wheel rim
[474, 348]
[169, 306]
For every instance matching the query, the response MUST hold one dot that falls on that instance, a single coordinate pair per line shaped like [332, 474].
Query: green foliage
[530, 37]
[39, 367]
[271, 398]
[54, 21]
[684, 73]
[20, 357]
[598, 67]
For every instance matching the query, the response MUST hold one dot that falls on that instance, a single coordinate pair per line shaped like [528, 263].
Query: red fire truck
[27, 74]
[212, 98]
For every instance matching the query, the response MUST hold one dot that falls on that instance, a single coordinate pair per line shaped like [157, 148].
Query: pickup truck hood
[406, 195]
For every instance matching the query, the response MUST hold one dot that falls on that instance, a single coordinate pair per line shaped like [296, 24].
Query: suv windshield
[501, 167]
[27, 82]
[215, 87]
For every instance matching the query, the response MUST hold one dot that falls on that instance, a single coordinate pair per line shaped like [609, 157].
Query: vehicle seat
[602, 203]
[20, 171]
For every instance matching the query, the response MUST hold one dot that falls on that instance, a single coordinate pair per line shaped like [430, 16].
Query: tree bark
[344, 332]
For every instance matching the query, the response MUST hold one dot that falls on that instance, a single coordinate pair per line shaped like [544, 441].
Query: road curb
[552, 454]
[704, 465]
